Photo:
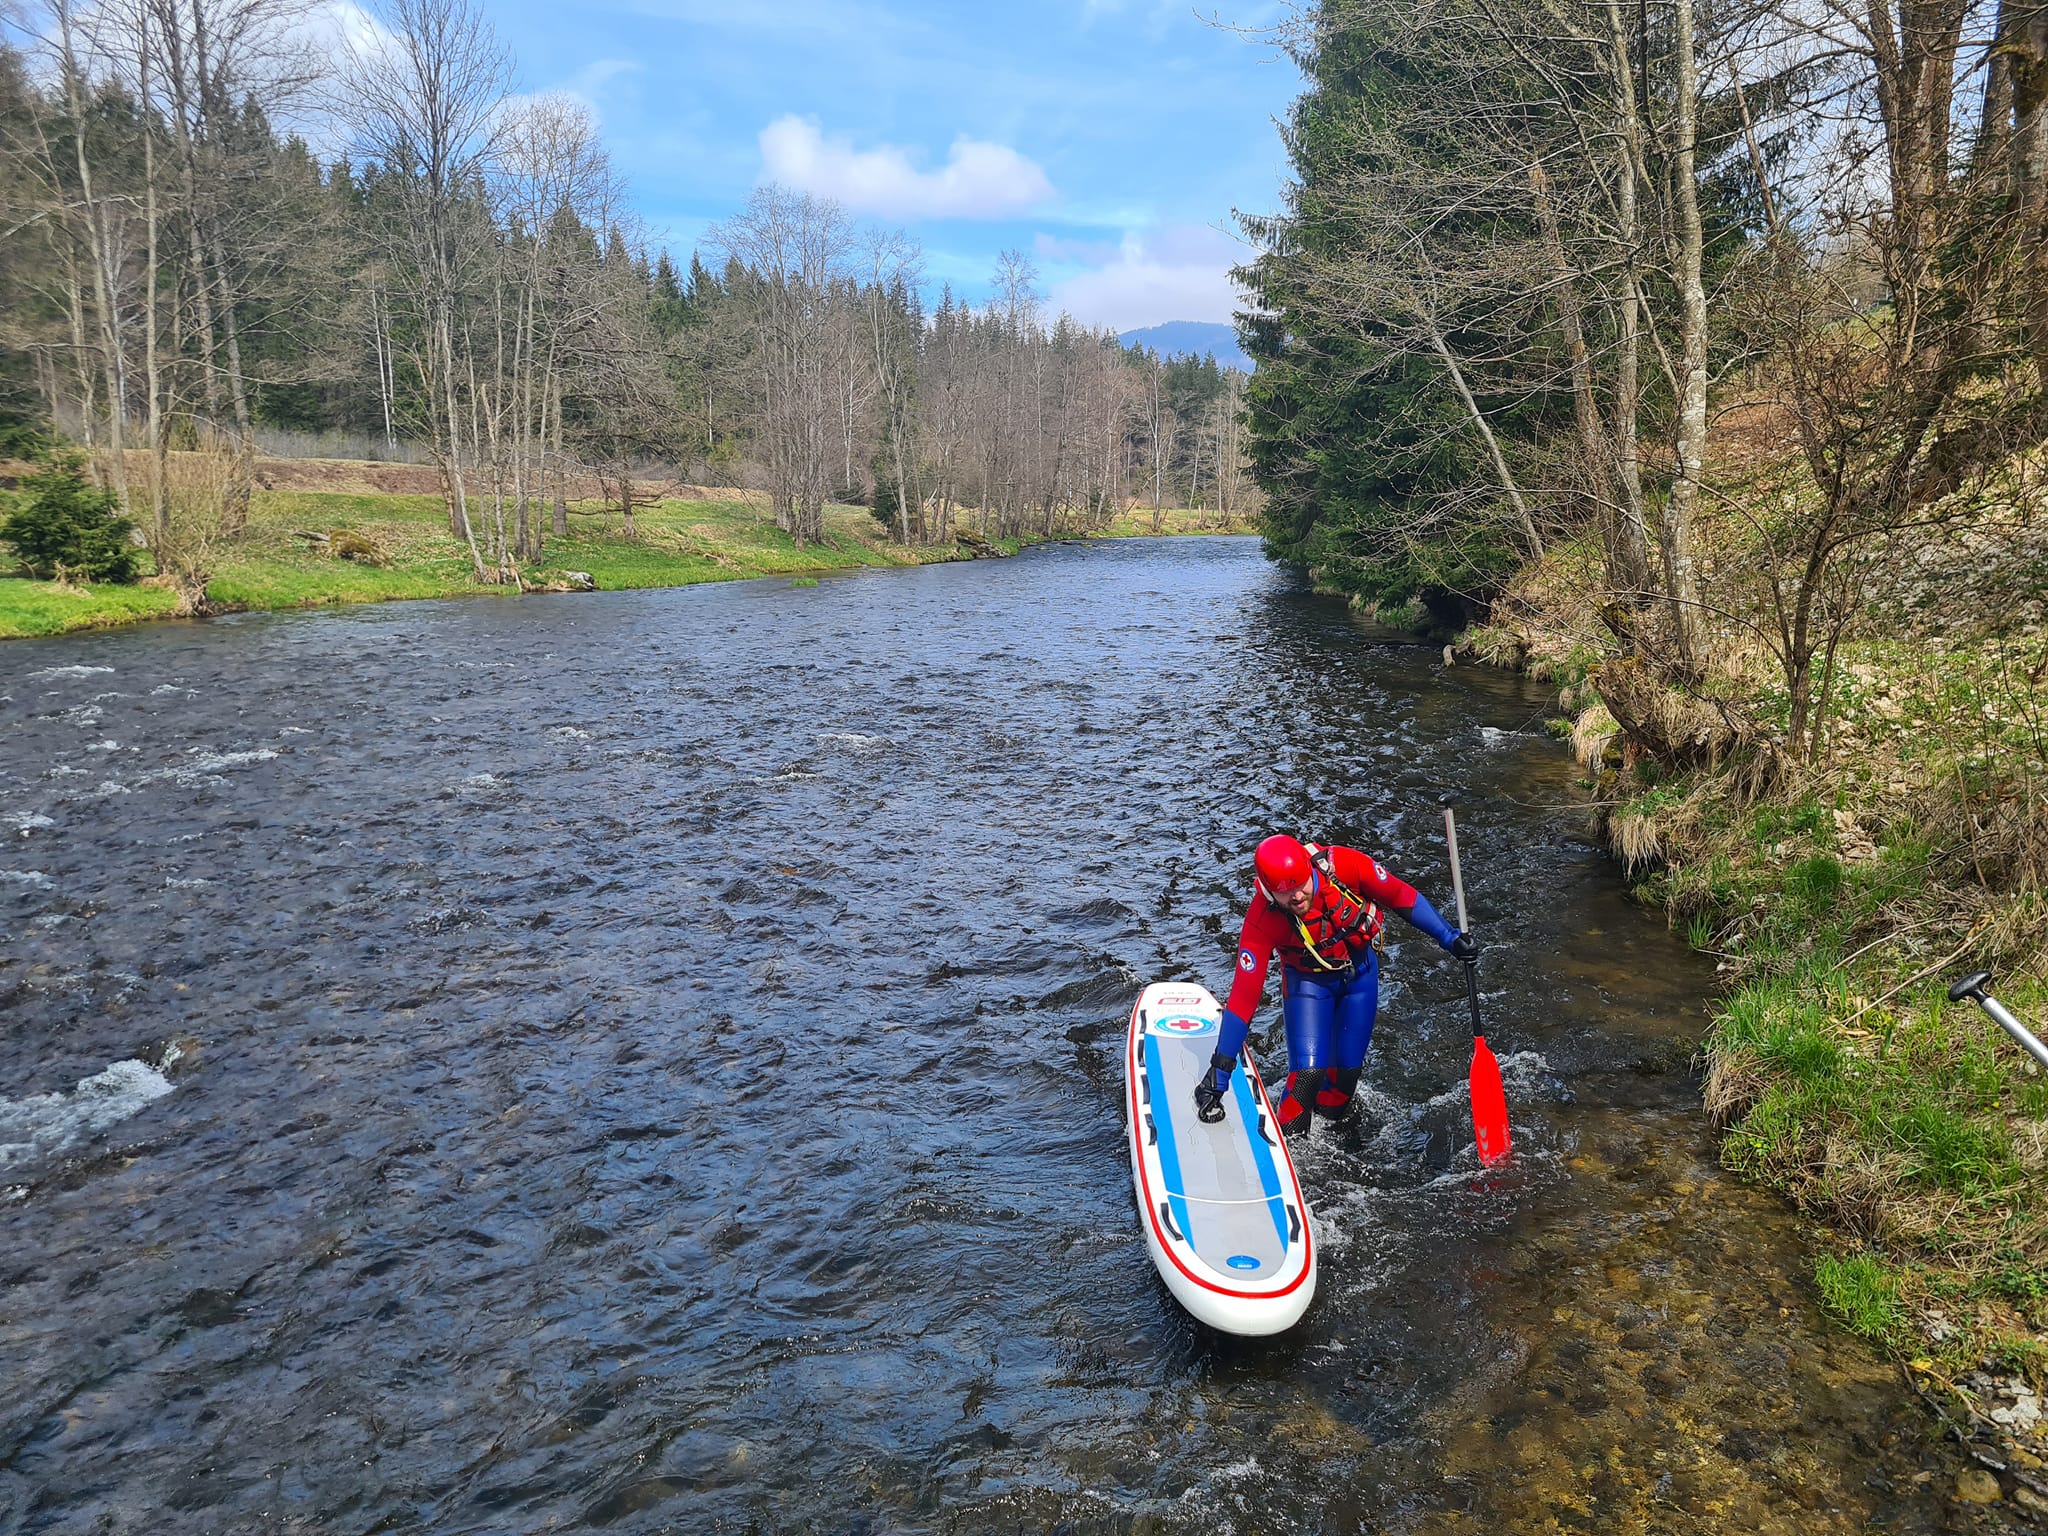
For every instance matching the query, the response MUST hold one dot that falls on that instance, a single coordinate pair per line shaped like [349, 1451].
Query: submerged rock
[1977, 1486]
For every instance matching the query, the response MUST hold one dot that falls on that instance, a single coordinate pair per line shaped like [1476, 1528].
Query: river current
[652, 1062]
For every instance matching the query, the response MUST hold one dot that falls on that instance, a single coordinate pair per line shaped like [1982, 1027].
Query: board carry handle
[1166, 1214]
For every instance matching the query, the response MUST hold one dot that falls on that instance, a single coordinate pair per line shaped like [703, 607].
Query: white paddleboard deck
[1221, 1207]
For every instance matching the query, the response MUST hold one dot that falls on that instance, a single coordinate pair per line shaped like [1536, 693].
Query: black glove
[1209, 1096]
[1464, 947]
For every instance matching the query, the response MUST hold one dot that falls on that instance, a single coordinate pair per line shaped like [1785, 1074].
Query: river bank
[1839, 896]
[368, 534]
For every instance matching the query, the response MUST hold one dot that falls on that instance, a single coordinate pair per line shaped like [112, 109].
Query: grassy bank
[407, 552]
[52, 607]
[1138, 523]
[404, 550]
[1840, 897]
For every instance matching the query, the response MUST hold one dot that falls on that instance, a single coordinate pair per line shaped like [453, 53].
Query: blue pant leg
[1357, 1005]
[1309, 1004]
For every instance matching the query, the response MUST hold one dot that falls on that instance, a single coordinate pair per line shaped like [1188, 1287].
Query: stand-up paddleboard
[1223, 1214]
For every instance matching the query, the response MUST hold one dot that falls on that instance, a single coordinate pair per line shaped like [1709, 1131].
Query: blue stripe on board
[1169, 1156]
[1269, 1172]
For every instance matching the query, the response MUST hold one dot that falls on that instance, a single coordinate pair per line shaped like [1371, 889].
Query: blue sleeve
[1231, 1041]
[1425, 917]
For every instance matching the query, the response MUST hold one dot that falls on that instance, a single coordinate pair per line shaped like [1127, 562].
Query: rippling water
[652, 1062]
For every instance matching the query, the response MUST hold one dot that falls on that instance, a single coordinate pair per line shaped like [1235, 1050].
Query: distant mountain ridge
[1191, 338]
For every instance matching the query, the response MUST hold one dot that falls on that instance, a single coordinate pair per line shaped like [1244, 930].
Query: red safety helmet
[1282, 863]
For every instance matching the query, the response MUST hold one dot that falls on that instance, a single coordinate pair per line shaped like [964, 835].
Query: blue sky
[1109, 139]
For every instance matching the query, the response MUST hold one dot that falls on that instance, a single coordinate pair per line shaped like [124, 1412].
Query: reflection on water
[652, 1063]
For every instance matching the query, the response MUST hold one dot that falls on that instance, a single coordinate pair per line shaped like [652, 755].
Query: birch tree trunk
[1683, 502]
[561, 506]
[1585, 410]
[458, 496]
[235, 508]
[158, 445]
[1632, 577]
[105, 266]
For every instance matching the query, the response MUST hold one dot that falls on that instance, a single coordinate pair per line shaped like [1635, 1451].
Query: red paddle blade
[1489, 1104]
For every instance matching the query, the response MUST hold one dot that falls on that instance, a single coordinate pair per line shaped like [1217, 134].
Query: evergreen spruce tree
[1347, 437]
[66, 526]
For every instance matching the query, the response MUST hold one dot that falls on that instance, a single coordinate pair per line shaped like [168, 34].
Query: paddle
[1489, 1099]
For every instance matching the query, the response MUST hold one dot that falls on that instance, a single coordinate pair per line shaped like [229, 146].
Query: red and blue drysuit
[1329, 977]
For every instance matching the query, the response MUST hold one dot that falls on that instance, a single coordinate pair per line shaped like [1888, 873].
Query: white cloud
[323, 37]
[1180, 273]
[978, 181]
[344, 27]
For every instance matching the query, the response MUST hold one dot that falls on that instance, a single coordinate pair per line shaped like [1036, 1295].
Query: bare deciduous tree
[798, 248]
[422, 101]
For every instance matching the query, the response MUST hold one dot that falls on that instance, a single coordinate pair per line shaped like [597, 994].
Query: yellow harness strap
[1368, 915]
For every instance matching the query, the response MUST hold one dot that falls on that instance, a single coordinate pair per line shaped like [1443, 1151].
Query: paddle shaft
[1457, 880]
[1458, 890]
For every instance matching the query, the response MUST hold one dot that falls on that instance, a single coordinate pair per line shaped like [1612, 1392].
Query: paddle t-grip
[1976, 987]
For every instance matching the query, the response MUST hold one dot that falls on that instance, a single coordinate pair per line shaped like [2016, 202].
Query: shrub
[198, 492]
[1814, 883]
[1861, 1292]
[65, 526]
[347, 544]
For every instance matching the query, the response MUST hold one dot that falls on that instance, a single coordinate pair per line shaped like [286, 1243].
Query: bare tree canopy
[467, 281]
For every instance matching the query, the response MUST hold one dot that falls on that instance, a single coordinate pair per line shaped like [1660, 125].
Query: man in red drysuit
[1320, 909]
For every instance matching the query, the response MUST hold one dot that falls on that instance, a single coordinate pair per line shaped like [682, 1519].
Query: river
[652, 1062]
